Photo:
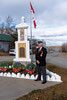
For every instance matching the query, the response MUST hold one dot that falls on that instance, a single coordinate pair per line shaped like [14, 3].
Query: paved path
[6, 58]
[54, 58]
[57, 59]
[13, 88]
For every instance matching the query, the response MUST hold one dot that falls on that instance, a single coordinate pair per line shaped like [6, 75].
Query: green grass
[57, 92]
[36, 91]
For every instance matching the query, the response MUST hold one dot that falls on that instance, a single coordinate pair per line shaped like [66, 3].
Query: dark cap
[40, 42]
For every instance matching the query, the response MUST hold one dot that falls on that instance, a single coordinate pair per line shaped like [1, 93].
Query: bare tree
[9, 20]
[2, 28]
[11, 30]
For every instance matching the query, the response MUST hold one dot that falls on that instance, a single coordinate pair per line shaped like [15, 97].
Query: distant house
[5, 41]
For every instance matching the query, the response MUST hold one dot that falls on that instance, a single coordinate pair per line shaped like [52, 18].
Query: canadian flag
[33, 12]
[32, 8]
[34, 22]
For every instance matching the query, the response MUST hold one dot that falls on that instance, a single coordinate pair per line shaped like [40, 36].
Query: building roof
[4, 37]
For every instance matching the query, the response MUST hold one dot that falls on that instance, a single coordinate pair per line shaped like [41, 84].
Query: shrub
[64, 47]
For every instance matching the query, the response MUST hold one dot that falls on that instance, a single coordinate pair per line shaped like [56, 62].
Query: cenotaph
[22, 45]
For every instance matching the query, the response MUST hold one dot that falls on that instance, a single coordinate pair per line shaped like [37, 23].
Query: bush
[64, 47]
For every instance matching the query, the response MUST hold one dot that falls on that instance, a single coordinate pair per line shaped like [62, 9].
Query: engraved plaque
[22, 50]
[22, 35]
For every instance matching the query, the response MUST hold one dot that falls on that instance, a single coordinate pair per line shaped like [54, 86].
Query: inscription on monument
[22, 35]
[22, 50]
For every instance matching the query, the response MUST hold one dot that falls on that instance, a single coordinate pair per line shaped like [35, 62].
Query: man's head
[40, 44]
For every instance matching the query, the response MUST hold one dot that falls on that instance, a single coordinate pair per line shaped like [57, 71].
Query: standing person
[41, 61]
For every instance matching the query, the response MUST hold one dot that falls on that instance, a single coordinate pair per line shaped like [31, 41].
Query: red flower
[16, 70]
[30, 72]
[4, 69]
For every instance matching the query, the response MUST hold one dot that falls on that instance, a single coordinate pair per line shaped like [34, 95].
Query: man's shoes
[43, 82]
[38, 80]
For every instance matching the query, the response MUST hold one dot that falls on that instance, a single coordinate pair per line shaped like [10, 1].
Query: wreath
[17, 67]
[4, 66]
[30, 68]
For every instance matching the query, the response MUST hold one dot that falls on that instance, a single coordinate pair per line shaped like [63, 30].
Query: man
[41, 61]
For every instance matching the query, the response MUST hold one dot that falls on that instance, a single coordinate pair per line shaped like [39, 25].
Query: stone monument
[22, 45]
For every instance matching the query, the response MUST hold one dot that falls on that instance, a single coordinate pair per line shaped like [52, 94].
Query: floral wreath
[4, 66]
[30, 68]
[17, 67]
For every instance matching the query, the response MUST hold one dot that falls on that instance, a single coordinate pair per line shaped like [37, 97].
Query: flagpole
[31, 17]
[31, 34]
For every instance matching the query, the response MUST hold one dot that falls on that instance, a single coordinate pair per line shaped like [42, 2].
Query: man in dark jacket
[41, 61]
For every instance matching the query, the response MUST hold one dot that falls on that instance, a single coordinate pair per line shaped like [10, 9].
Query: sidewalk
[13, 88]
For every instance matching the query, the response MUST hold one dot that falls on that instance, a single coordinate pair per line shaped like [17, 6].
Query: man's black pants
[43, 70]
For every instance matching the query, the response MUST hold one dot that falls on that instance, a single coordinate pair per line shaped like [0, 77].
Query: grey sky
[50, 15]
[47, 11]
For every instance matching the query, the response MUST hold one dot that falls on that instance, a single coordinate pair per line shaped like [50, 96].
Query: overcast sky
[50, 16]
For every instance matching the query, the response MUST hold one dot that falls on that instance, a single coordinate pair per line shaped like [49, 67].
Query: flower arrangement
[17, 67]
[4, 66]
[30, 68]
[41, 53]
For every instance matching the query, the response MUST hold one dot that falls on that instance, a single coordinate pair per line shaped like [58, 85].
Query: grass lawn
[57, 92]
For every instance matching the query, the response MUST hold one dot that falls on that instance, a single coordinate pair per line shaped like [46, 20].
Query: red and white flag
[32, 8]
[34, 23]
[33, 12]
